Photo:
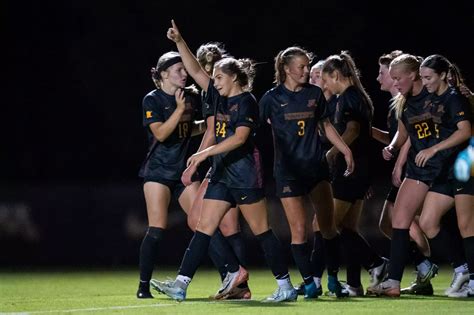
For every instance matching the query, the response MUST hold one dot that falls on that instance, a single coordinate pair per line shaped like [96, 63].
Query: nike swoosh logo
[284, 104]
[167, 107]
[459, 189]
[243, 198]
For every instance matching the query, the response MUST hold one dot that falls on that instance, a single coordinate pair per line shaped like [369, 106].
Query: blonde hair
[409, 64]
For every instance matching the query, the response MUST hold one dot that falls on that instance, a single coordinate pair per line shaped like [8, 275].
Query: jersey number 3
[301, 124]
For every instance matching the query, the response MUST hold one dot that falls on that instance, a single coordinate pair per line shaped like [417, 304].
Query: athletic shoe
[238, 294]
[281, 295]
[386, 288]
[144, 293]
[418, 288]
[299, 288]
[336, 288]
[377, 274]
[465, 292]
[170, 288]
[459, 278]
[231, 281]
[311, 291]
[353, 291]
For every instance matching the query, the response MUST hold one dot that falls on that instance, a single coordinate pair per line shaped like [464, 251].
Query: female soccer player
[353, 120]
[169, 112]
[229, 229]
[451, 115]
[419, 249]
[236, 177]
[294, 108]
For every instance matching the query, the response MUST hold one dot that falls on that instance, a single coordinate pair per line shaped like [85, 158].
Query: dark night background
[74, 75]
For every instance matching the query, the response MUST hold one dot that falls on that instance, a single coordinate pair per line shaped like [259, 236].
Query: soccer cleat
[459, 278]
[170, 288]
[231, 281]
[300, 288]
[312, 291]
[418, 288]
[281, 295]
[386, 288]
[238, 293]
[354, 291]
[144, 293]
[336, 288]
[465, 292]
[422, 284]
[432, 272]
[377, 274]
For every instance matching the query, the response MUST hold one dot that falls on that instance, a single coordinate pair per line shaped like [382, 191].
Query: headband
[168, 63]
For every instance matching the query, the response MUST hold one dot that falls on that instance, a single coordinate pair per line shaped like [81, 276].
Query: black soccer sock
[353, 274]
[398, 253]
[197, 249]
[415, 255]
[273, 254]
[148, 253]
[220, 253]
[236, 242]
[352, 256]
[317, 255]
[469, 252]
[301, 257]
[357, 246]
[443, 248]
[331, 252]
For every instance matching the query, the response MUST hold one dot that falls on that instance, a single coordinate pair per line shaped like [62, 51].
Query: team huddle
[321, 121]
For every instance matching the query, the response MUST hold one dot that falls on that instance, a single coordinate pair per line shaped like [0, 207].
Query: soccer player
[207, 55]
[169, 112]
[452, 124]
[417, 121]
[294, 108]
[236, 177]
[419, 249]
[352, 120]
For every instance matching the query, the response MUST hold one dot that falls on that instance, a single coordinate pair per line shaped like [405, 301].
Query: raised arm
[189, 60]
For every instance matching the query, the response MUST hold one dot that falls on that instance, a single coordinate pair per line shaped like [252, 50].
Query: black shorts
[176, 186]
[350, 189]
[425, 174]
[453, 187]
[464, 188]
[392, 194]
[234, 196]
[301, 186]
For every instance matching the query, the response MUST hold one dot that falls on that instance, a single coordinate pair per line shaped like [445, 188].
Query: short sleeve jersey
[294, 118]
[448, 110]
[352, 106]
[423, 130]
[241, 167]
[168, 158]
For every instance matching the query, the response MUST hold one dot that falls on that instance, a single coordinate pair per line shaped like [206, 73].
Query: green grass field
[103, 292]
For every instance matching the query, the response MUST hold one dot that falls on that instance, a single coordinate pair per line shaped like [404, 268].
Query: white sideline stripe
[92, 309]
